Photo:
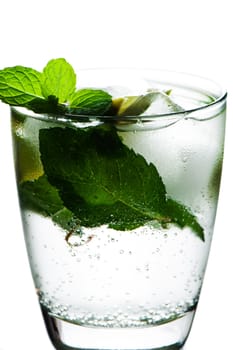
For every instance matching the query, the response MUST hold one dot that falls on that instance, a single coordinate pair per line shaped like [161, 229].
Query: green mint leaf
[20, 85]
[90, 102]
[58, 79]
[40, 196]
[182, 216]
[102, 181]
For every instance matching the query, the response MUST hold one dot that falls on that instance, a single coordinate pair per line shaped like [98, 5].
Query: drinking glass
[118, 211]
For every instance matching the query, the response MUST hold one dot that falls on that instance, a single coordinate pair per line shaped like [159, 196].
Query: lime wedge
[27, 156]
[29, 166]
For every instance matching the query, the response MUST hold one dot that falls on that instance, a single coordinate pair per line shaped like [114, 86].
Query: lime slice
[27, 156]
[152, 103]
[136, 105]
[28, 164]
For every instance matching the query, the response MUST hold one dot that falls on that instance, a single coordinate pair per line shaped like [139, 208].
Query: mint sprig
[51, 91]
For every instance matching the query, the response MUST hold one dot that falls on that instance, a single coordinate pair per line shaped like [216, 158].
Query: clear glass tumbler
[118, 211]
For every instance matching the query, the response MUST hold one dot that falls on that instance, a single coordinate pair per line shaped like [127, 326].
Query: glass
[118, 212]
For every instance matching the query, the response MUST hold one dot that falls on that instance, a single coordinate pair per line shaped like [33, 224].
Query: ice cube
[162, 104]
[153, 103]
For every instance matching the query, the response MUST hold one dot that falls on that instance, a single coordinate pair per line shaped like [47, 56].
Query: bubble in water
[185, 155]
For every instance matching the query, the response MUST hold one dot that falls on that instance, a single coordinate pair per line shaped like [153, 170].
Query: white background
[192, 36]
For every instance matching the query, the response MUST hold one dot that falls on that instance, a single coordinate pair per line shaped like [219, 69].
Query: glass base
[68, 336]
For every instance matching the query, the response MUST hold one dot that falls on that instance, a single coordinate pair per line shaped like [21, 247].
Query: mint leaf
[102, 181]
[20, 85]
[182, 216]
[58, 79]
[90, 102]
[39, 195]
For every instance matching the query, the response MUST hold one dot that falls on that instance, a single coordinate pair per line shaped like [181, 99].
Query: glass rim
[221, 98]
